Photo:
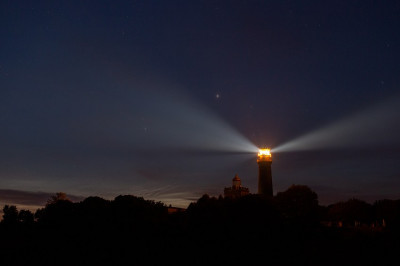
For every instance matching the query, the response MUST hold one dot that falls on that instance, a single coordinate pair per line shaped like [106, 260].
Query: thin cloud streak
[29, 198]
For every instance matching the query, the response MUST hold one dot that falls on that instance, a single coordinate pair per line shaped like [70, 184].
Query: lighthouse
[264, 161]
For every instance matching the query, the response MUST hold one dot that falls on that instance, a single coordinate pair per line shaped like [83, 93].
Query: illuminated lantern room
[264, 155]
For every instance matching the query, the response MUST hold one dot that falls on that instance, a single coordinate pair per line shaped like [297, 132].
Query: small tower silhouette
[236, 190]
[264, 160]
[236, 182]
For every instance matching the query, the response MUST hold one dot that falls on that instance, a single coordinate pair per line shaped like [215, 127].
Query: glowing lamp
[264, 155]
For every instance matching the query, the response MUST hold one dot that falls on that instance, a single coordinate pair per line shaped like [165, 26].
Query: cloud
[29, 198]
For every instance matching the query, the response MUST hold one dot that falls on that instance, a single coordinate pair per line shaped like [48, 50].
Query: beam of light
[157, 117]
[376, 126]
[170, 120]
[133, 134]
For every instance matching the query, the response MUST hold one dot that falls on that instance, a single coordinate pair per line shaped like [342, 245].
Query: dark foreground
[248, 231]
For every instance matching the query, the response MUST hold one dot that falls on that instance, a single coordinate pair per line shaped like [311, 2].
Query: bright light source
[264, 155]
[264, 152]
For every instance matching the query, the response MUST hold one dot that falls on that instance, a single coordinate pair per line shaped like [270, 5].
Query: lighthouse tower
[264, 160]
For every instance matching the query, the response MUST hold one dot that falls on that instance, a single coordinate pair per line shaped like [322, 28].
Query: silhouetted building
[264, 161]
[236, 190]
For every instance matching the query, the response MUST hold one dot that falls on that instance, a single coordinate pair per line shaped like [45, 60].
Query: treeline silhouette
[290, 228]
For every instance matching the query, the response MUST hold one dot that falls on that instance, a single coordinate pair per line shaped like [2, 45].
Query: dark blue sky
[167, 99]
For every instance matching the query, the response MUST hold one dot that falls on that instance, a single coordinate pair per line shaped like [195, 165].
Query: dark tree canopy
[130, 230]
[58, 197]
[388, 211]
[299, 203]
[10, 214]
[25, 217]
[351, 211]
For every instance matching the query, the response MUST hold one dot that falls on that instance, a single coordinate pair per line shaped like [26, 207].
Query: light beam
[375, 126]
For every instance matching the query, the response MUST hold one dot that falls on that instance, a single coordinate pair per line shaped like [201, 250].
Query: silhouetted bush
[299, 205]
[352, 212]
[387, 212]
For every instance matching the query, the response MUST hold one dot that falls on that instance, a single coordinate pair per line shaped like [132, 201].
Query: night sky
[168, 100]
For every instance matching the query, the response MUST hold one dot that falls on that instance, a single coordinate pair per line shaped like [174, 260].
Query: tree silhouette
[59, 196]
[10, 215]
[95, 231]
[25, 217]
[129, 209]
[59, 210]
[298, 203]
[388, 212]
[94, 211]
[351, 212]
